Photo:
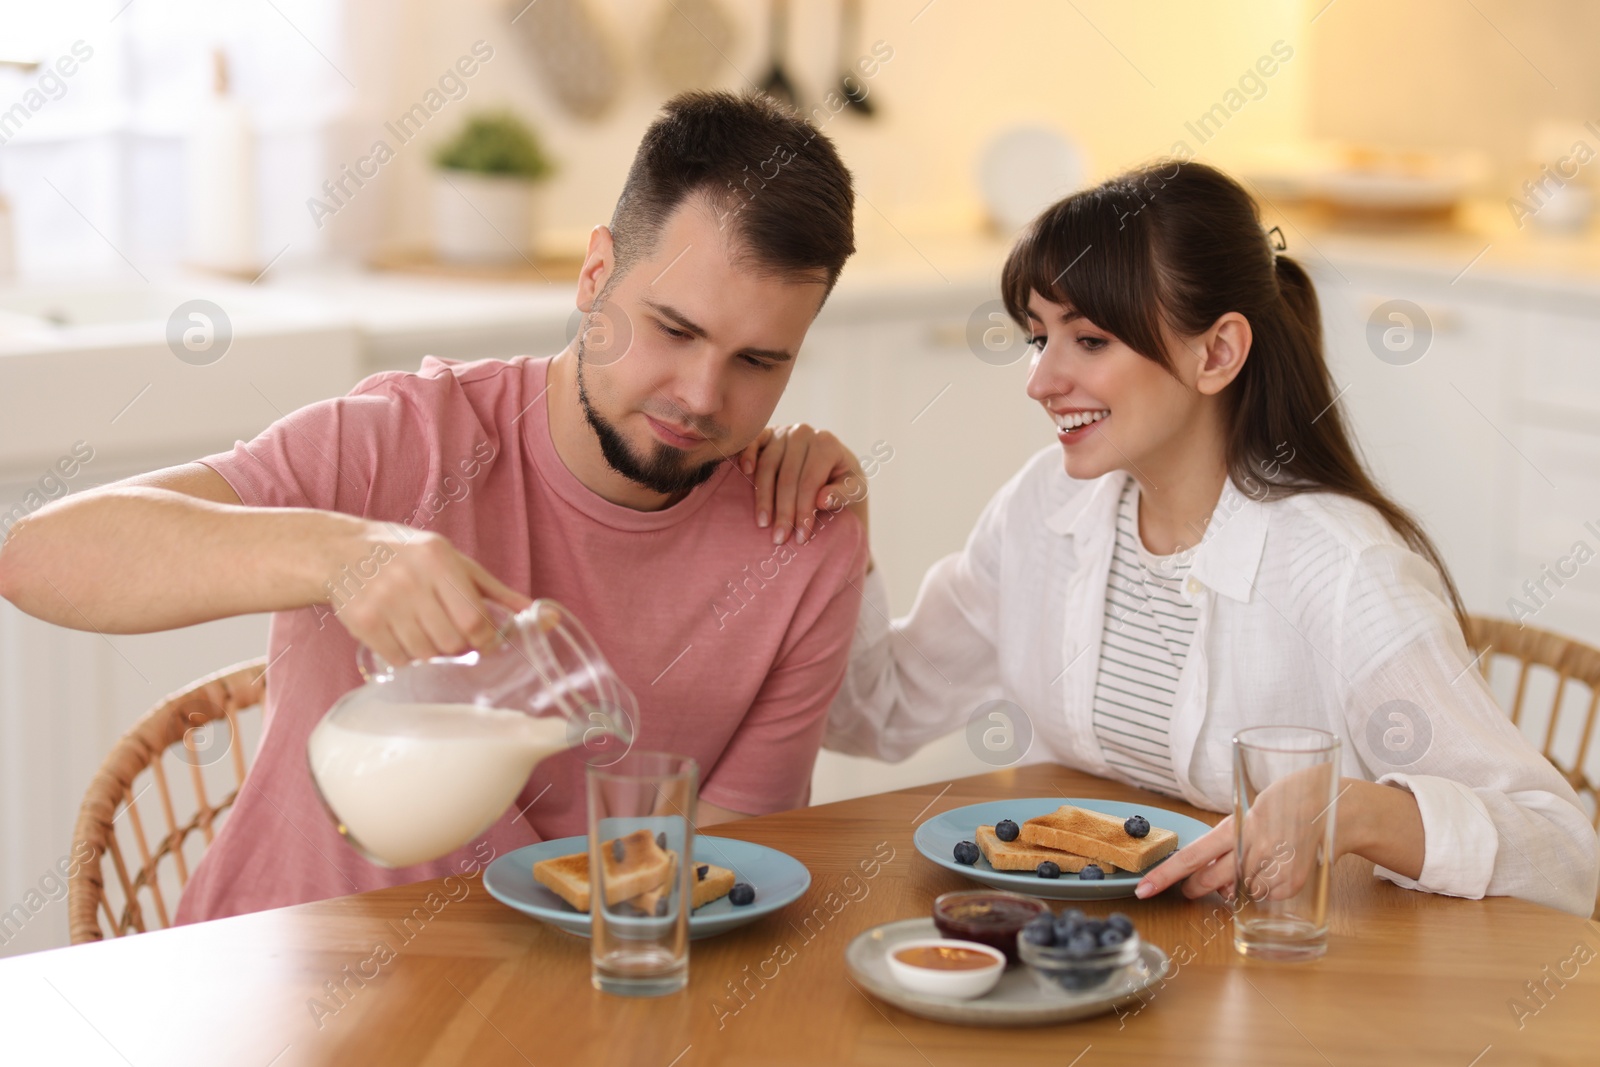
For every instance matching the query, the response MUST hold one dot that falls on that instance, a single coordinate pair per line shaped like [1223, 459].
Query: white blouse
[1311, 611]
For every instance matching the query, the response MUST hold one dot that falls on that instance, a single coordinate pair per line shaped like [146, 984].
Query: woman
[1213, 556]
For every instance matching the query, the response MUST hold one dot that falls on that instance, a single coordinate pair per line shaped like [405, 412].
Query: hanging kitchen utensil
[852, 86]
[575, 58]
[776, 83]
[689, 44]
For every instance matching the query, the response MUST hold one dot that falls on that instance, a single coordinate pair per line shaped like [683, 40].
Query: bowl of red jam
[990, 917]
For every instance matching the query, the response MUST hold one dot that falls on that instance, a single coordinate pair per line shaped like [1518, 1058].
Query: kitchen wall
[1121, 79]
[1442, 74]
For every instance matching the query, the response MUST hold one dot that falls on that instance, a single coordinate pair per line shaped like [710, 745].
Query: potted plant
[484, 192]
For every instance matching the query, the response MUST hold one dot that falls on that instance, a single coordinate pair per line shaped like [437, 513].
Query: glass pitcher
[425, 757]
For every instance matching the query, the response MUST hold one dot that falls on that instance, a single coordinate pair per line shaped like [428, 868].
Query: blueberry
[1043, 921]
[1073, 917]
[1111, 936]
[966, 853]
[1092, 927]
[1091, 873]
[1137, 826]
[1041, 930]
[616, 849]
[1120, 923]
[1064, 929]
[1081, 945]
[701, 871]
[1006, 830]
[1049, 869]
[741, 894]
[661, 840]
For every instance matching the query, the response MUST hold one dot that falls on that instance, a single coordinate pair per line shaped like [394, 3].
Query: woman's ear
[1225, 346]
[598, 263]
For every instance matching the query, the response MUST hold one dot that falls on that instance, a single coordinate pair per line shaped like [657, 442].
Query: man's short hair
[775, 182]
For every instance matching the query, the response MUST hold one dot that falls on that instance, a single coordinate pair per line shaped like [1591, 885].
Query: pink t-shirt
[733, 647]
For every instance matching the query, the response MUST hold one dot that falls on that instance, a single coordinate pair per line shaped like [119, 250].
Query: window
[93, 139]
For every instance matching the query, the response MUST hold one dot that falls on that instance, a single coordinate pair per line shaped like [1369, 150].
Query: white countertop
[1484, 250]
[381, 303]
[894, 276]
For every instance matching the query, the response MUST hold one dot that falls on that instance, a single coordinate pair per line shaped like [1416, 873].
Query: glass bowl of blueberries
[1073, 952]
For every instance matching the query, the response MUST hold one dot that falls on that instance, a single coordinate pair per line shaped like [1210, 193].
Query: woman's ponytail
[1294, 285]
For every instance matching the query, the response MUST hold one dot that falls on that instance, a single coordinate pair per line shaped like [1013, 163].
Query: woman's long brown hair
[1182, 243]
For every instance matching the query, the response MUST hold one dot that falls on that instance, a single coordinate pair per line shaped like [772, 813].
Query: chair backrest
[1570, 664]
[199, 727]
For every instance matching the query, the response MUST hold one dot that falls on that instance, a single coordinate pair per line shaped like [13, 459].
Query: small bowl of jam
[988, 916]
[943, 967]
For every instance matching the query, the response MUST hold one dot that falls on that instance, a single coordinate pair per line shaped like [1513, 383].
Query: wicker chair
[165, 737]
[1570, 663]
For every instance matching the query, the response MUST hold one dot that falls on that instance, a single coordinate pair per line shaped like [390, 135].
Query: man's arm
[164, 550]
[176, 547]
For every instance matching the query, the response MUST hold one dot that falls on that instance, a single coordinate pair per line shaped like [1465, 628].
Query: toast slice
[647, 902]
[1016, 856]
[643, 865]
[1100, 837]
[714, 886]
[567, 877]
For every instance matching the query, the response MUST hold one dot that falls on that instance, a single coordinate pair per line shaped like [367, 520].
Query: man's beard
[664, 471]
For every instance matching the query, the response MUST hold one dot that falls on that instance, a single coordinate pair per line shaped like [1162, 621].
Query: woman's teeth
[1075, 419]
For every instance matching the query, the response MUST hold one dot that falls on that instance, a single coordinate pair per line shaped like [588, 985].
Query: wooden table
[1409, 977]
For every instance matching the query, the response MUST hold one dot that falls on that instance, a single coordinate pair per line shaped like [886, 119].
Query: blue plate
[779, 879]
[937, 838]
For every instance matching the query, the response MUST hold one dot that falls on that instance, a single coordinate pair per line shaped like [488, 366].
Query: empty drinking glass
[641, 833]
[1285, 784]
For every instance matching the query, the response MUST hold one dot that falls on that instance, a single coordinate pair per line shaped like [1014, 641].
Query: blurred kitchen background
[215, 213]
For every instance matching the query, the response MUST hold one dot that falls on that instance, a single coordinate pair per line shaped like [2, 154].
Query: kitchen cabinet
[1437, 432]
[1492, 438]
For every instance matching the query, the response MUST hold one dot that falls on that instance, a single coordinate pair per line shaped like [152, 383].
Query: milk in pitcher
[412, 782]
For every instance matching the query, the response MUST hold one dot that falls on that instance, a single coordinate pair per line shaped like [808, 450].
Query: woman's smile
[1074, 424]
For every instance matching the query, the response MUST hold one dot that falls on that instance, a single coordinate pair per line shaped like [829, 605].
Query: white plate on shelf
[936, 839]
[1025, 169]
[1019, 999]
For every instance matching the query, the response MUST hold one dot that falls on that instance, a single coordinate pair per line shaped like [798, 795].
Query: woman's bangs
[1090, 253]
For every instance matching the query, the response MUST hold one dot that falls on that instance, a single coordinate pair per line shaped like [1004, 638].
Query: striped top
[1149, 627]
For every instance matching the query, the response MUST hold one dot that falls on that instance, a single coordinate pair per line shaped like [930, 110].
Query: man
[389, 517]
